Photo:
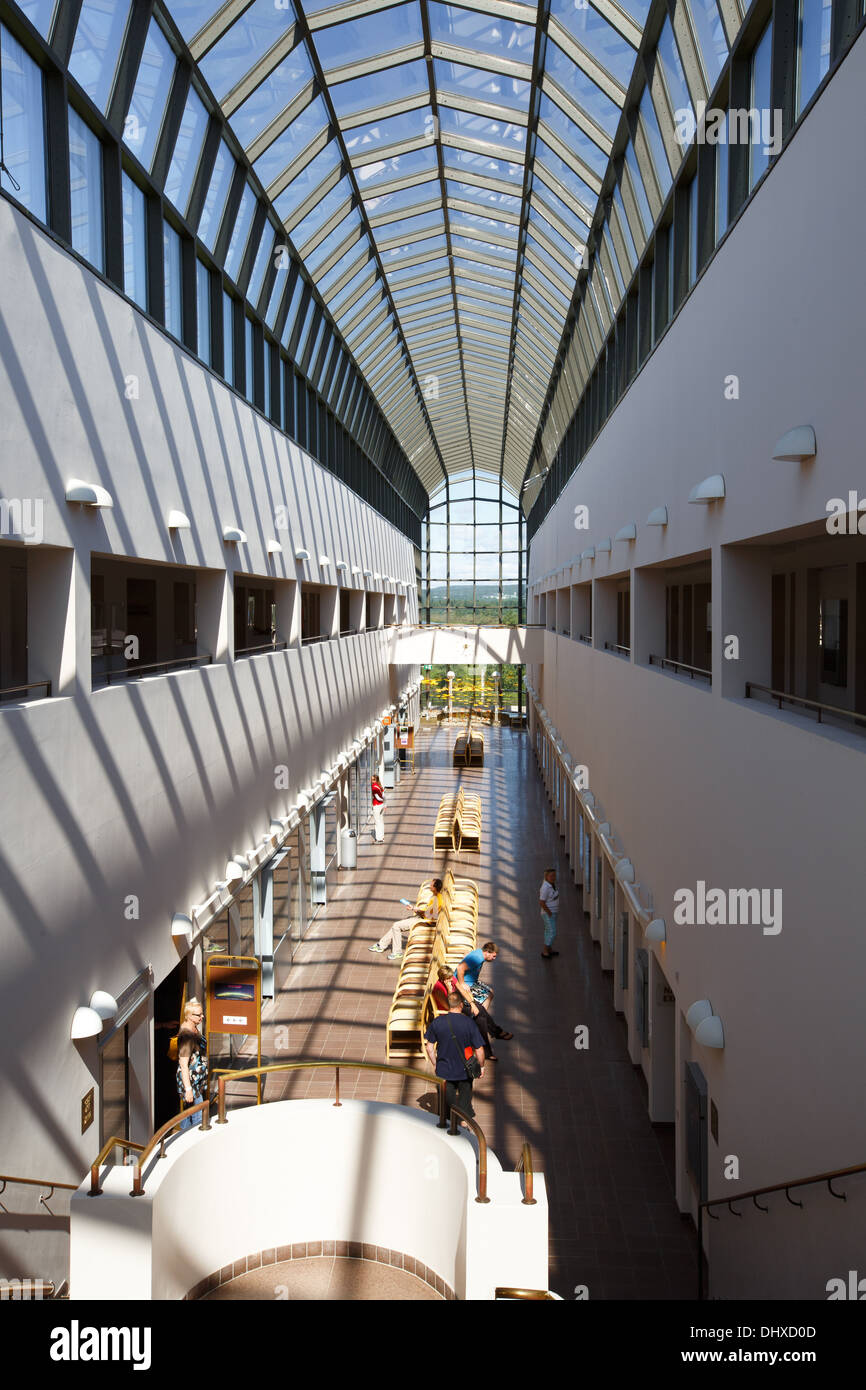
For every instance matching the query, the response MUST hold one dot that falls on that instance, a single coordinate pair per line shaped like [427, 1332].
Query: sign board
[87, 1111]
[233, 996]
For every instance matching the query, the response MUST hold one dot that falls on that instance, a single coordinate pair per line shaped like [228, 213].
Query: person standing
[548, 901]
[450, 1039]
[394, 935]
[191, 1059]
[476, 996]
[378, 810]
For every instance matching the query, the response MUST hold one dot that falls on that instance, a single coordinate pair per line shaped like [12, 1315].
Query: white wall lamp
[712, 489]
[341, 565]
[588, 554]
[233, 535]
[627, 532]
[798, 444]
[86, 1023]
[624, 871]
[656, 930]
[302, 554]
[235, 870]
[177, 521]
[706, 1025]
[604, 546]
[273, 547]
[181, 929]
[88, 494]
[104, 1004]
[368, 574]
[658, 517]
[324, 561]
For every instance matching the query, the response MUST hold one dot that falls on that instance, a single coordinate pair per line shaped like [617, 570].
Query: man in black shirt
[454, 1036]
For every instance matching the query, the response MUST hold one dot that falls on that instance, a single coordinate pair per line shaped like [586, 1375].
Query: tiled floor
[614, 1225]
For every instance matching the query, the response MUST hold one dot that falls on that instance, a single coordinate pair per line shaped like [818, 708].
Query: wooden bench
[458, 823]
[469, 750]
[429, 947]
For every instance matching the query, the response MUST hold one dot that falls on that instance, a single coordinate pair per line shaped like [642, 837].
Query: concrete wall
[698, 783]
[301, 1171]
[121, 807]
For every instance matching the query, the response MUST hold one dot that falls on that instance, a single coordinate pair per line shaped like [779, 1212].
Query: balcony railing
[585, 637]
[616, 647]
[820, 709]
[317, 637]
[667, 663]
[262, 647]
[11, 690]
[153, 668]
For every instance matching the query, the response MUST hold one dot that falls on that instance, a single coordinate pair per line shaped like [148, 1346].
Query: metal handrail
[807, 704]
[585, 637]
[44, 1197]
[107, 1148]
[756, 1192]
[481, 1196]
[181, 661]
[350, 632]
[524, 1164]
[160, 1137]
[262, 647]
[34, 685]
[693, 671]
[40, 1287]
[317, 637]
[503, 1292]
[615, 647]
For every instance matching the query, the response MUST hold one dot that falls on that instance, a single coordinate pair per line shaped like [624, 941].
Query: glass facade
[85, 184]
[23, 123]
[134, 242]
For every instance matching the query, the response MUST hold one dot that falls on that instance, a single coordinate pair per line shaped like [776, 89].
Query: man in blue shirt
[476, 995]
[453, 1036]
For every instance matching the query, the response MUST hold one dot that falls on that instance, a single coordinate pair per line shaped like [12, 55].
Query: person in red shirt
[378, 810]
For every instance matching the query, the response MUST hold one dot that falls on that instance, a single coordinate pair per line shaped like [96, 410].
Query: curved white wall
[295, 1171]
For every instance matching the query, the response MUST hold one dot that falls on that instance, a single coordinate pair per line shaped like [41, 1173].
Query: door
[168, 998]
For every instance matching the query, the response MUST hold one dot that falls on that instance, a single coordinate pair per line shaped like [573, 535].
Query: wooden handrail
[34, 685]
[37, 1182]
[524, 1163]
[160, 1138]
[756, 1192]
[107, 1148]
[482, 1149]
[807, 704]
[522, 1293]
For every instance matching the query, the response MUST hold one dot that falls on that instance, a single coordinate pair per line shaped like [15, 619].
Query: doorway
[167, 999]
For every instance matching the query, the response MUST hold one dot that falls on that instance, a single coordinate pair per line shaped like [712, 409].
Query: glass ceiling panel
[548, 162]
[150, 95]
[410, 226]
[365, 140]
[191, 15]
[366, 93]
[273, 96]
[581, 89]
[396, 275]
[292, 142]
[305, 183]
[480, 32]
[504, 134]
[470, 222]
[328, 245]
[245, 41]
[240, 232]
[501, 169]
[398, 167]
[404, 199]
[567, 249]
[711, 37]
[324, 209]
[435, 246]
[260, 265]
[672, 67]
[656, 144]
[460, 80]
[187, 151]
[597, 37]
[624, 227]
[573, 137]
[358, 39]
[468, 192]
[214, 203]
[638, 188]
[98, 37]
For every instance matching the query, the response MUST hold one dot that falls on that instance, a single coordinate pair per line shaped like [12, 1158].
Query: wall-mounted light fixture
[88, 494]
[233, 535]
[798, 444]
[658, 517]
[712, 489]
[273, 547]
[656, 930]
[627, 532]
[302, 554]
[177, 521]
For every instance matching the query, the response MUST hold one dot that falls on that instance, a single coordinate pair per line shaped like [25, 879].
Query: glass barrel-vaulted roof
[437, 168]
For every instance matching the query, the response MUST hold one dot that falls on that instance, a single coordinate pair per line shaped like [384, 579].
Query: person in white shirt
[548, 901]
